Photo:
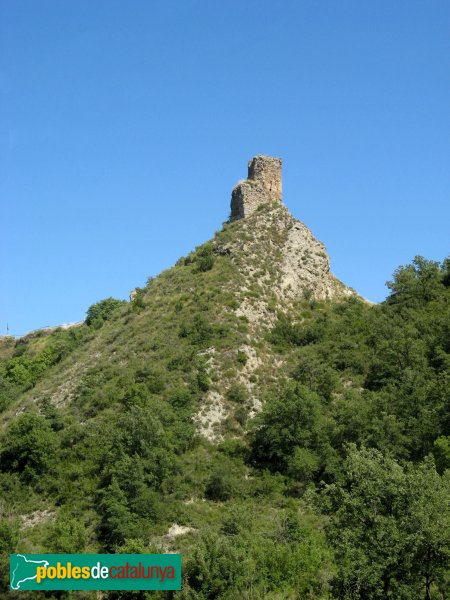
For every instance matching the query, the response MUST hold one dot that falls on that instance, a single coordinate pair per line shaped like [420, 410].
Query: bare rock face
[277, 254]
[305, 265]
[262, 186]
[283, 258]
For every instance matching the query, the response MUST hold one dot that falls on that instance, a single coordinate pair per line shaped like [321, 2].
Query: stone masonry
[263, 185]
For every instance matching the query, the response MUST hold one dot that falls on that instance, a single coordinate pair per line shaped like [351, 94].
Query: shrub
[100, 312]
[137, 304]
[442, 453]
[219, 486]
[202, 379]
[67, 535]
[291, 420]
[202, 331]
[303, 464]
[29, 446]
[205, 263]
[241, 416]
[237, 393]
[215, 568]
[205, 259]
[241, 357]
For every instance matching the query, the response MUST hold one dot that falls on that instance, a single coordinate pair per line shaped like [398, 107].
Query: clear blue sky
[125, 124]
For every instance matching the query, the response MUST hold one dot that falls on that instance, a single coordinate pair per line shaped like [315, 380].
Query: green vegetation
[100, 312]
[389, 527]
[338, 488]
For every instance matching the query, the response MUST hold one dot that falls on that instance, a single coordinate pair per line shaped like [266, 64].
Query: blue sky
[125, 125]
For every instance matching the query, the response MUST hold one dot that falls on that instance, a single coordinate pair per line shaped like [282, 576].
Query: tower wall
[263, 185]
[266, 170]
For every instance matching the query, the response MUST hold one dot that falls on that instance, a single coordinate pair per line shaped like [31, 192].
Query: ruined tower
[263, 185]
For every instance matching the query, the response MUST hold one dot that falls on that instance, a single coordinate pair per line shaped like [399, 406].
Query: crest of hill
[273, 249]
[211, 413]
[215, 304]
[280, 255]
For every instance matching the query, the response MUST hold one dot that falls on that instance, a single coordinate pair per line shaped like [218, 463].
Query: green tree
[100, 312]
[29, 446]
[428, 526]
[67, 535]
[9, 539]
[117, 522]
[417, 283]
[219, 486]
[389, 528]
[215, 567]
[205, 258]
[365, 531]
[290, 421]
[303, 464]
[442, 453]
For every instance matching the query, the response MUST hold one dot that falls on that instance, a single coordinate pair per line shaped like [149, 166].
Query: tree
[100, 312]
[216, 566]
[67, 534]
[117, 522]
[219, 486]
[417, 283]
[29, 446]
[205, 258]
[390, 528]
[428, 524]
[289, 422]
[9, 539]
[442, 453]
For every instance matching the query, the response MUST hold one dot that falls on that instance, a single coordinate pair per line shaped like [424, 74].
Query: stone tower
[263, 185]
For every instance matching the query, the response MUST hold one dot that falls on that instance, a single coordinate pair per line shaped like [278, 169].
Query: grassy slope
[121, 403]
[151, 354]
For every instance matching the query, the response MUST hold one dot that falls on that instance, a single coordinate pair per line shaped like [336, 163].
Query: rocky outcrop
[281, 262]
[276, 252]
[305, 265]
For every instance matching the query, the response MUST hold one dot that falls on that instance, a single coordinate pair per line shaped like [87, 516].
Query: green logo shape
[95, 571]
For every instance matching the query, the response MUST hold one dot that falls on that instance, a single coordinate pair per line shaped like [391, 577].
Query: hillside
[247, 409]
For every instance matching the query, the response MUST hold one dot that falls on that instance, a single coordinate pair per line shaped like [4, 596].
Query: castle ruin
[262, 185]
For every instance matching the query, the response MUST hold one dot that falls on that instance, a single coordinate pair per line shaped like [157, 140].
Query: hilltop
[233, 410]
[259, 265]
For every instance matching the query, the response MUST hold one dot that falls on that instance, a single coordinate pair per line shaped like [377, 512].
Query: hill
[247, 409]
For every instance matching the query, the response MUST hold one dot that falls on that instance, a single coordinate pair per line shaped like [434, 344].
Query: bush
[237, 393]
[137, 304]
[29, 446]
[291, 421]
[202, 379]
[286, 334]
[216, 568]
[242, 357]
[205, 263]
[441, 453]
[100, 312]
[205, 259]
[67, 535]
[241, 416]
[219, 486]
[9, 539]
[303, 464]
[201, 331]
